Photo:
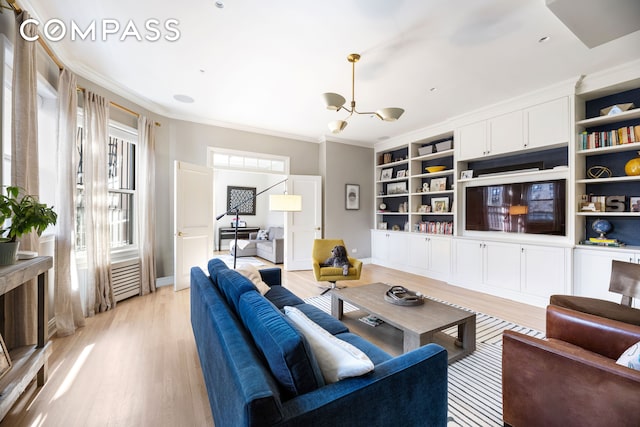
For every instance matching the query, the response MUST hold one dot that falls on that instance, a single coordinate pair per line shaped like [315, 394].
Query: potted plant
[20, 215]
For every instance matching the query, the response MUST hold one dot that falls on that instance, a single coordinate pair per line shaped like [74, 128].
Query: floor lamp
[277, 203]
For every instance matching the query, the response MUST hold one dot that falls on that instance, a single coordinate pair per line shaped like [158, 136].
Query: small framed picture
[382, 226]
[468, 174]
[5, 360]
[634, 204]
[439, 184]
[401, 173]
[386, 174]
[352, 197]
[440, 204]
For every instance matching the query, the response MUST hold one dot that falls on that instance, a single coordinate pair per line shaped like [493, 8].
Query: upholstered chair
[321, 251]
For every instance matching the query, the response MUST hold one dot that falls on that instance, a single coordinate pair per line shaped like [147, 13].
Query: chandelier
[335, 102]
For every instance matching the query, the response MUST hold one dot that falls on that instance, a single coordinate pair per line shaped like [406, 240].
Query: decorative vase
[632, 168]
[8, 252]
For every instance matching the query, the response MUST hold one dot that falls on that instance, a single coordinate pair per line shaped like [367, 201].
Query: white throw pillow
[262, 235]
[252, 273]
[337, 359]
[631, 357]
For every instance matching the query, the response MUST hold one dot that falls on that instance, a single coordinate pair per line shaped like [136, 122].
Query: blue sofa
[259, 372]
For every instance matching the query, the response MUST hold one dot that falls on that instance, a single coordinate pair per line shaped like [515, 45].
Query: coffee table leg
[336, 306]
[467, 335]
[411, 340]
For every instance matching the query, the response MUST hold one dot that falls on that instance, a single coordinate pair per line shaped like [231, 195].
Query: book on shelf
[601, 240]
[610, 138]
[615, 244]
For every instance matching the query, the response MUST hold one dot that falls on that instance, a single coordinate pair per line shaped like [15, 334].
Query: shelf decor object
[595, 172]
[632, 167]
[434, 169]
[336, 102]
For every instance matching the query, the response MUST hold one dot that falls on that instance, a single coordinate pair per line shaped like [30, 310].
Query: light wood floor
[137, 365]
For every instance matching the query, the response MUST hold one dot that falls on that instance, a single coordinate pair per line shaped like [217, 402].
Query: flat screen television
[525, 207]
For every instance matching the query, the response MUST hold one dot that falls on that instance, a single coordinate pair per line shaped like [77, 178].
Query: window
[220, 158]
[121, 185]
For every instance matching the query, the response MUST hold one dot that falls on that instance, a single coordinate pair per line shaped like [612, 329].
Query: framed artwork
[5, 360]
[468, 174]
[439, 184]
[440, 204]
[401, 173]
[352, 197]
[634, 204]
[386, 174]
[244, 198]
[397, 188]
[382, 226]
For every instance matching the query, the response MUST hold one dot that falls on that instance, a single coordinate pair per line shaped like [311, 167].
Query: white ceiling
[262, 66]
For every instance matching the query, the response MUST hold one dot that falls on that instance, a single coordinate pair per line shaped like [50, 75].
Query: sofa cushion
[631, 357]
[214, 266]
[326, 321]
[337, 359]
[276, 233]
[375, 353]
[285, 349]
[262, 235]
[281, 296]
[253, 274]
[232, 285]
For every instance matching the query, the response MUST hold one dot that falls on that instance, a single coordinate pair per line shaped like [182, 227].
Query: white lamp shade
[285, 202]
[333, 101]
[390, 114]
[337, 126]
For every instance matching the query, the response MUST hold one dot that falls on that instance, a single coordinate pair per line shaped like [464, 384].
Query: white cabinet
[544, 270]
[502, 265]
[505, 134]
[430, 256]
[547, 124]
[389, 249]
[527, 273]
[472, 141]
[480, 263]
[539, 126]
[592, 271]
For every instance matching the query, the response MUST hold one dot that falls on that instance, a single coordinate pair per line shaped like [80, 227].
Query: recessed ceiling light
[543, 39]
[220, 4]
[433, 89]
[183, 98]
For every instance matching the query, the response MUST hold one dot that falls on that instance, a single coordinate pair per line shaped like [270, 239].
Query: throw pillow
[252, 273]
[337, 359]
[262, 235]
[631, 357]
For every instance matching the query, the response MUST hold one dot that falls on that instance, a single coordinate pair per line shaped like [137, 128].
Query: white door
[193, 220]
[301, 228]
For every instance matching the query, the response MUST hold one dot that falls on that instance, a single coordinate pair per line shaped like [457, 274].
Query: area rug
[475, 382]
[240, 261]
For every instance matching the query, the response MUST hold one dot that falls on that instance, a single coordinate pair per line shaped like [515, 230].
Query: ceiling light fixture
[336, 102]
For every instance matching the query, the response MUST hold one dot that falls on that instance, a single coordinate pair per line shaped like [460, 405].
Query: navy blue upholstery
[286, 350]
[408, 390]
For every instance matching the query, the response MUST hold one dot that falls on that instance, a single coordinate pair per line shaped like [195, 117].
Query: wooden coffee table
[419, 324]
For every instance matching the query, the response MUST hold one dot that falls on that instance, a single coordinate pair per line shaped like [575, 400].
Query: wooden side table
[29, 361]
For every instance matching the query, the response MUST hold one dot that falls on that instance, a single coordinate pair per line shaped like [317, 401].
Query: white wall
[263, 218]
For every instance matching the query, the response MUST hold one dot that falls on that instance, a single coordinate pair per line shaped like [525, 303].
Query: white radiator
[125, 278]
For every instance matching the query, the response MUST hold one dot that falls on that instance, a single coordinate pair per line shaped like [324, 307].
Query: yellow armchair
[321, 251]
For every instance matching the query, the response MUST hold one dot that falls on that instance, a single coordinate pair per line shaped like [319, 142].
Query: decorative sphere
[601, 226]
[632, 168]
[383, 206]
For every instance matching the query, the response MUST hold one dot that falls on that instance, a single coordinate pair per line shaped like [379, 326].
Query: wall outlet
[354, 250]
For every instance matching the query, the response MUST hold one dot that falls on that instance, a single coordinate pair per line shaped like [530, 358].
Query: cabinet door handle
[522, 250]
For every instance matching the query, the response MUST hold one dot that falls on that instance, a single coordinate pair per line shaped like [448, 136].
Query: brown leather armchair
[570, 378]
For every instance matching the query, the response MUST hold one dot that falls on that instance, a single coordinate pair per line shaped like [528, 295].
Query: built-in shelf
[434, 174]
[384, 196]
[433, 193]
[433, 213]
[608, 180]
[613, 149]
[604, 120]
[556, 173]
[434, 156]
[591, 213]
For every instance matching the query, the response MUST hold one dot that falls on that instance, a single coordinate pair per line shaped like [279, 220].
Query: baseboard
[164, 281]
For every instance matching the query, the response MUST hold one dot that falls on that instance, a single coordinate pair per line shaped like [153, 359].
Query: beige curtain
[99, 295]
[20, 318]
[67, 304]
[147, 202]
